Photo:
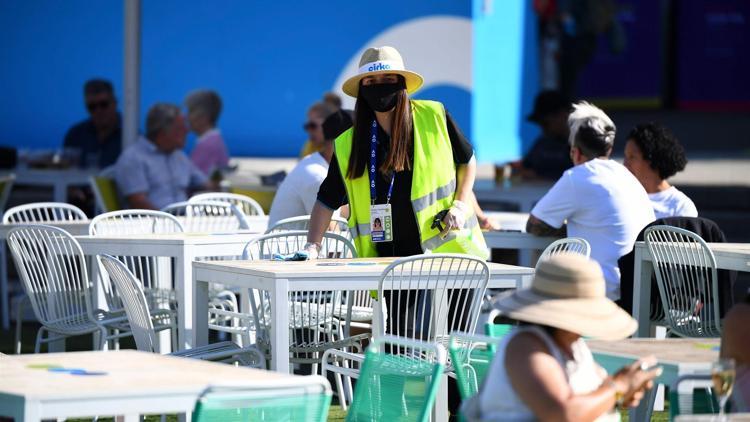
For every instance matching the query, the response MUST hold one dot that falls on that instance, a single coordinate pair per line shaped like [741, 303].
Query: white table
[58, 179]
[729, 256]
[678, 357]
[522, 194]
[183, 248]
[72, 227]
[135, 383]
[280, 278]
[512, 235]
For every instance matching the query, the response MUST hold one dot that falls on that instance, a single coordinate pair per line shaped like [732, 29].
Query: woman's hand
[456, 216]
[631, 382]
[487, 223]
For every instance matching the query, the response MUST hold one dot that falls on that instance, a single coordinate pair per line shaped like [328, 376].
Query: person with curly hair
[653, 155]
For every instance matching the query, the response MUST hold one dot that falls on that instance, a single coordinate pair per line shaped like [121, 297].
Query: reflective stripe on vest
[433, 187]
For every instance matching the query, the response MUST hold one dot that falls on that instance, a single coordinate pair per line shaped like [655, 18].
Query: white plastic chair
[315, 316]
[423, 298]
[687, 279]
[141, 321]
[208, 217]
[244, 203]
[53, 272]
[34, 213]
[577, 245]
[338, 225]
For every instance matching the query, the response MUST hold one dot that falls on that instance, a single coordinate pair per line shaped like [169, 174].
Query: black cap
[548, 102]
[336, 124]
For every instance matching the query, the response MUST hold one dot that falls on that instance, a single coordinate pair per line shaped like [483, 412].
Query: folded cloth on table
[297, 256]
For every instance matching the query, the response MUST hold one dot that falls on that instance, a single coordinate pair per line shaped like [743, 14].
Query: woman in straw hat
[543, 369]
[405, 162]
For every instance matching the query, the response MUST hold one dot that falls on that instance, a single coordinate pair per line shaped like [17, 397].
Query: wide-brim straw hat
[568, 292]
[377, 60]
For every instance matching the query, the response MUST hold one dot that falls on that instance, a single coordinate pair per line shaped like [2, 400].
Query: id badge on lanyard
[381, 217]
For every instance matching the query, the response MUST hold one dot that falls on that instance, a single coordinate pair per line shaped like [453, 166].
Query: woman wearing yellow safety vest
[404, 164]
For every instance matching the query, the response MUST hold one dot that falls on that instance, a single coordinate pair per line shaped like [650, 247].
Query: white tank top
[498, 401]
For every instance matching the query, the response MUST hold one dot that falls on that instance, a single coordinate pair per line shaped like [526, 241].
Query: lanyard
[373, 165]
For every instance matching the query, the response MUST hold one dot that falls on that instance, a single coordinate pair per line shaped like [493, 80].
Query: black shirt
[549, 157]
[406, 240]
[83, 137]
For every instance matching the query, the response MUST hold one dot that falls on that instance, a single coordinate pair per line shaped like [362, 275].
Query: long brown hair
[398, 158]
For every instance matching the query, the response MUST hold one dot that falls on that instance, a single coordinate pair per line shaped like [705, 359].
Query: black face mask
[382, 97]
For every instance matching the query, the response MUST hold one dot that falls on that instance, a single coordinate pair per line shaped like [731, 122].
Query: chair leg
[19, 326]
[39, 339]
[103, 338]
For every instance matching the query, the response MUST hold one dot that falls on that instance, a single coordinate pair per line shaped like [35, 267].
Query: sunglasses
[310, 126]
[98, 105]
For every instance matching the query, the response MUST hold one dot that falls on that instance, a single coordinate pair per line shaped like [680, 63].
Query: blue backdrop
[268, 60]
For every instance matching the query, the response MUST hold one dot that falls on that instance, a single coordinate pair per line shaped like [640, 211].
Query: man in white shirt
[298, 192]
[598, 199]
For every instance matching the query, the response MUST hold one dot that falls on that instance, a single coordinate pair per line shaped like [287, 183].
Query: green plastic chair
[289, 399]
[697, 399]
[398, 386]
[105, 193]
[471, 357]
[496, 330]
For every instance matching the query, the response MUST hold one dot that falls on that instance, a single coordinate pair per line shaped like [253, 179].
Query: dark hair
[660, 148]
[401, 137]
[98, 86]
[593, 140]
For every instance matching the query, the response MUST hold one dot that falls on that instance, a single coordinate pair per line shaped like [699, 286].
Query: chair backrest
[569, 244]
[338, 225]
[105, 193]
[208, 217]
[262, 196]
[398, 386]
[427, 297]
[246, 204]
[126, 222]
[692, 394]
[686, 275]
[43, 212]
[53, 273]
[471, 357]
[291, 241]
[287, 399]
[6, 185]
[134, 302]
[132, 222]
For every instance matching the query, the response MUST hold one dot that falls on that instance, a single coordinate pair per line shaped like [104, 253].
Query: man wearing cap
[550, 155]
[598, 199]
[298, 192]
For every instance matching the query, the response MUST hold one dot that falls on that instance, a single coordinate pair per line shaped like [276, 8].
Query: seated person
[155, 171]
[298, 192]
[543, 369]
[550, 155]
[653, 155]
[210, 152]
[99, 138]
[315, 116]
[599, 199]
[735, 345]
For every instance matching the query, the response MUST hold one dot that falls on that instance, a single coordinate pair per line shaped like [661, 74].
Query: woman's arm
[540, 382]
[465, 176]
[320, 218]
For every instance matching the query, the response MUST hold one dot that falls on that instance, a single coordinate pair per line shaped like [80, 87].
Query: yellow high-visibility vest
[433, 187]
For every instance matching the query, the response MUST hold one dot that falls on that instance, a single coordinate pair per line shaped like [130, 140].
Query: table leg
[524, 282]
[280, 326]
[199, 335]
[60, 191]
[440, 409]
[4, 291]
[184, 290]
[642, 292]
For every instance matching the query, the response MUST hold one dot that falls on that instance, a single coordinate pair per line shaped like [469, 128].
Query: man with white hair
[598, 199]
